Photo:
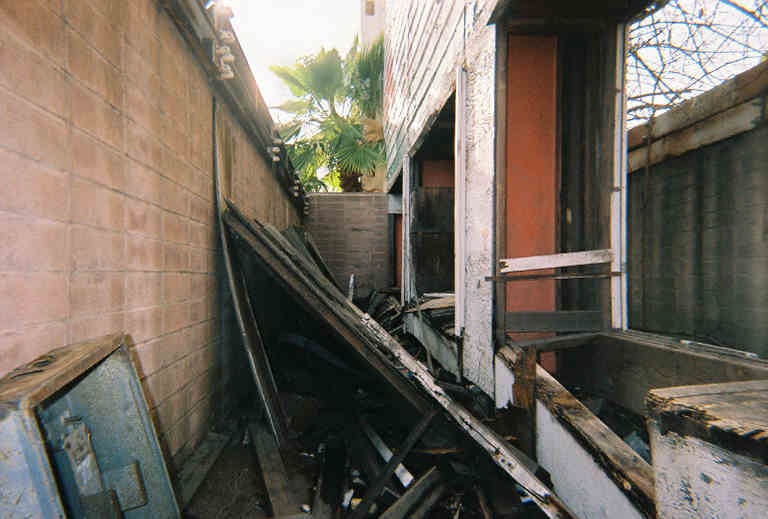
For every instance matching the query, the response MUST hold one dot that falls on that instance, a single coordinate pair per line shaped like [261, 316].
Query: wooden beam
[739, 119]
[630, 472]
[559, 342]
[738, 90]
[550, 261]
[562, 321]
[375, 489]
[275, 477]
[413, 495]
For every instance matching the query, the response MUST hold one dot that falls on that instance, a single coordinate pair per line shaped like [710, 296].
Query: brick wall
[351, 231]
[106, 210]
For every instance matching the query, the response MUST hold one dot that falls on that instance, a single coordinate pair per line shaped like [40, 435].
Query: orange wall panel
[531, 172]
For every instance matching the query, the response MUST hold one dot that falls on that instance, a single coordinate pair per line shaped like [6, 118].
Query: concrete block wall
[351, 231]
[106, 208]
[698, 242]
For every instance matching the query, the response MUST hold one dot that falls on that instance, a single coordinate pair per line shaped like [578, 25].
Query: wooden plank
[281, 499]
[732, 415]
[562, 321]
[737, 90]
[402, 473]
[558, 342]
[197, 466]
[429, 501]
[375, 489]
[549, 261]
[739, 119]
[434, 304]
[413, 495]
[630, 472]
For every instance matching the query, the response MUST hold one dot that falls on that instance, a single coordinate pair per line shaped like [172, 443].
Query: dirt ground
[232, 488]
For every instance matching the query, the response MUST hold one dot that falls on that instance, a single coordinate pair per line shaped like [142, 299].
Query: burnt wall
[698, 244]
[351, 230]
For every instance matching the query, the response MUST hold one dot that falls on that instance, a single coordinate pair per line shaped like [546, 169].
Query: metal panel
[88, 390]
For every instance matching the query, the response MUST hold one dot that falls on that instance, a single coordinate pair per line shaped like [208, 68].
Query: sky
[277, 32]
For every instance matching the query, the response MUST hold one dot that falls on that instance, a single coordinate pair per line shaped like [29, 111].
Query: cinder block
[28, 298]
[145, 324]
[174, 197]
[144, 77]
[37, 25]
[96, 249]
[200, 210]
[95, 326]
[175, 228]
[176, 286]
[33, 77]
[175, 136]
[143, 147]
[22, 346]
[175, 257]
[143, 218]
[143, 253]
[97, 117]
[143, 183]
[33, 132]
[32, 189]
[96, 205]
[99, 163]
[95, 293]
[141, 28]
[141, 110]
[32, 244]
[197, 259]
[143, 289]
[98, 30]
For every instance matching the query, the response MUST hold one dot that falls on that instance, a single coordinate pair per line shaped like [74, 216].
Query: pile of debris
[374, 432]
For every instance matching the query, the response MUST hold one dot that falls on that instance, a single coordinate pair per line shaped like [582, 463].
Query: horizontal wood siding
[425, 42]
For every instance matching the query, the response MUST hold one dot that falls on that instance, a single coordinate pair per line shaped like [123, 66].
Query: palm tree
[335, 123]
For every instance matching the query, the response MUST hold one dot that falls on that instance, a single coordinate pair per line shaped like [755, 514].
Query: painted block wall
[106, 207]
[351, 230]
[698, 243]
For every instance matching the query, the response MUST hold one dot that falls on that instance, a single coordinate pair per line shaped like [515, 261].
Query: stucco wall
[106, 210]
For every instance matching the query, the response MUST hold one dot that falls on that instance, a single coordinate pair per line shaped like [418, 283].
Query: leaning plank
[550, 261]
[273, 471]
[246, 321]
[320, 298]
[413, 495]
[381, 351]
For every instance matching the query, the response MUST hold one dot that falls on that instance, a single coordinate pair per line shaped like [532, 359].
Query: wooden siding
[425, 43]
